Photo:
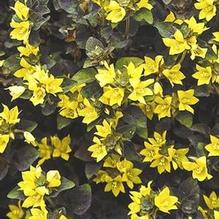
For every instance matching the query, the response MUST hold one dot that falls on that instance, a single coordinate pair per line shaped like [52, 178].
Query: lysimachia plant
[109, 109]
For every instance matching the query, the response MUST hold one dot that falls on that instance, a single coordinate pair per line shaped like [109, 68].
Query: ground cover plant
[109, 109]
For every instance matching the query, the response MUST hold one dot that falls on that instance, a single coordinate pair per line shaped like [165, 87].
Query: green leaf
[127, 131]
[3, 167]
[77, 201]
[130, 152]
[15, 193]
[26, 95]
[189, 195]
[65, 185]
[86, 75]
[11, 64]
[202, 91]
[185, 118]
[122, 62]
[67, 84]
[83, 154]
[145, 15]
[67, 5]
[135, 117]
[24, 157]
[142, 132]
[47, 109]
[91, 169]
[166, 29]
[62, 122]
[27, 125]
[94, 48]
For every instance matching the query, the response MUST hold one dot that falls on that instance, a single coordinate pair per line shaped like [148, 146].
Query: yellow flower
[45, 151]
[207, 9]
[103, 130]
[148, 109]
[63, 217]
[152, 66]
[112, 96]
[149, 153]
[26, 71]
[106, 75]
[129, 173]
[203, 75]
[162, 162]
[186, 98]
[16, 91]
[179, 157]
[133, 71]
[144, 4]
[115, 12]
[163, 106]
[196, 50]
[112, 161]
[53, 178]
[140, 89]
[171, 18]
[102, 177]
[115, 185]
[198, 168]
[30, 177]
[158, 90]
[216, 214]
[27, 50]
[39, 93]
[213, 147]
[216, 35]
[98, 149]
[87, 111]
[142, 202]
[203, 212]
[20, 30]
[52, 84]
[198, 28]
[29, 138]
[21, 10]
[174, 75]
[165, 202]
[1, 62]
[212, 201]
[152, 147]
[4, 139]
[157, 141]
[61, 147]
[37, 199]
[178, 44]
[10, 116]
[68, 106]
[16, 211]
[37, 213]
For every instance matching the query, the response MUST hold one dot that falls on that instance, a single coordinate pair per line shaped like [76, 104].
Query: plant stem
[182, 57]
[127, 27]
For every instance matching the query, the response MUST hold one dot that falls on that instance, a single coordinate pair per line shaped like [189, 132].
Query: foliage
[109, 109]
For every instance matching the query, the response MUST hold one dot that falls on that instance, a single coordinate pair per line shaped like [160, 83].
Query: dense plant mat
[109, 109]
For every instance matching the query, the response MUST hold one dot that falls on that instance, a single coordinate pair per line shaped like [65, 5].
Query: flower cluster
[146, 202]
[116, 10]
[161, 155]
[36, 185]
[8, 120]
[117, 172]
[73, 105]
[133, 85]
[36, 78]
[53, 147]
